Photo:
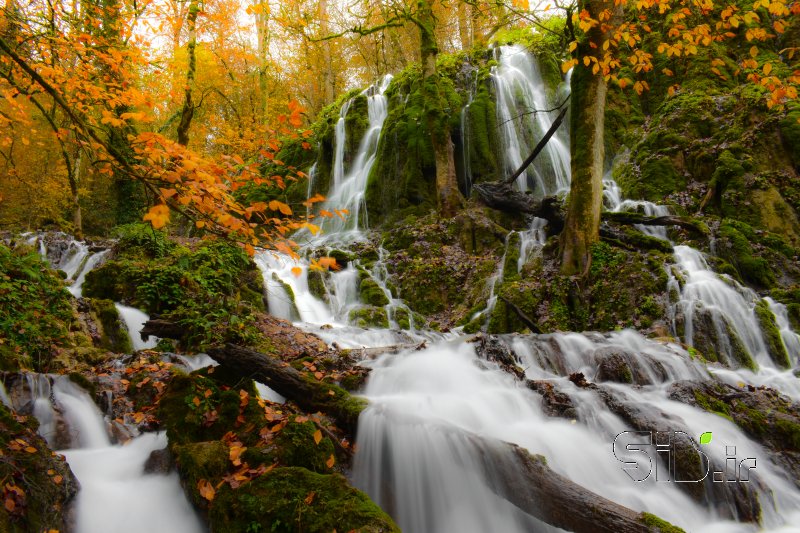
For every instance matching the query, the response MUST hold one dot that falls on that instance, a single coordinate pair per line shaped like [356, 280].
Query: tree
[611, 38]
[89, 71]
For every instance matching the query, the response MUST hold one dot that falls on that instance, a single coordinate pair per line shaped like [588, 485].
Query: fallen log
[163, 329]
[539, 146]
[307, 392]
[626, 217]
[511, 472]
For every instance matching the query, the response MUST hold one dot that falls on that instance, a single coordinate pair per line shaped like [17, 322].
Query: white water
[76, 288]
[416, 459]
[134, 321]
[115, 496]
[348, 185]
[531, 241]
[524, 115]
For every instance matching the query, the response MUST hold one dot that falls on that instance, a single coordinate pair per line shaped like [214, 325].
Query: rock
[491, 348]
[554, 402]
[766, 415]
[621, 366]
[159, 462]
[715, 338]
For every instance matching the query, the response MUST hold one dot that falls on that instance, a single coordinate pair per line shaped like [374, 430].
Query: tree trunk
[187, 113]
[262, 34]
[307, 392]
[582, 227]
[448, 196]
[328, 77]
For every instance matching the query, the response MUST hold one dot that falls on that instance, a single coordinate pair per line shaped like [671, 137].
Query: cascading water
[116, 494]
[348, 186]
[134, 321]
[524, 114]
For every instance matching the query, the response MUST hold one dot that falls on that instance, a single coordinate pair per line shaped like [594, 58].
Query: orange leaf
[310, 497]
[297, 271]
[331, 461]
[206, 490]
[10, 505]
[317, 436]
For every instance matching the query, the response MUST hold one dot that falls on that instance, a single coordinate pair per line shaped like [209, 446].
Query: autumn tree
[95, 86]
[611, 45]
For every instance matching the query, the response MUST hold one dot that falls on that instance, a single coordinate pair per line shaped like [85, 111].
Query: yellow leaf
[753, 52]
[767, 69]
[317, 436]
[331, 461]
[573, 45]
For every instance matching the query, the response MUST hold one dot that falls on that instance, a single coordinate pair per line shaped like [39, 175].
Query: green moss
[36, 315]
[735, 247]
[772, 335]
[114, 335]
[712, 405]
[371, 293]
[369, 316]
[658, 524]
[296, 447]
[295, 499]
[200, 460]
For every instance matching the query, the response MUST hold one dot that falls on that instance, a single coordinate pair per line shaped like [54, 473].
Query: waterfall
[524, 114]
[531, 241]
[76, 288]
[348, 186]
[134, 321]
[115, 492]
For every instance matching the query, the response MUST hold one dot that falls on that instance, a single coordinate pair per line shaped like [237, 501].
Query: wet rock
[766, 415]
[715, 338]
[159, 462]
[554, 402]
[621, 366]
[491, 348]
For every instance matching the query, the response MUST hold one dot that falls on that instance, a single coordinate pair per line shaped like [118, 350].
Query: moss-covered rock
[37, 319]
[296, 499]
[772, 335]
[38, 485]
[369, 317]
[296, 446]
[114, 335]
[371, 293]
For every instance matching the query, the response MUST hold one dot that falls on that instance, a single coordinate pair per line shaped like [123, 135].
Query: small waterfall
[134, 320]
[612, 196]
[76, 288]
[417, 461]
[531, 241]
[311, 309]
[73, 257]
[790, 339]
[348, 186]
[466, 132]
[115, 492]
[524, 115]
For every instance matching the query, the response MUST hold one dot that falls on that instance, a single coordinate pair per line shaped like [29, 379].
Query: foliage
[212, 292]
[36, 312]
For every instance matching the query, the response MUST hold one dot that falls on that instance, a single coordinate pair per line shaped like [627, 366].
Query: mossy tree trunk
[187, 113]
[130, 196]
[582, 227]
[449, 198]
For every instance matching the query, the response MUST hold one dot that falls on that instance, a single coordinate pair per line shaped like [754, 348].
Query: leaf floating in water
[705, 438]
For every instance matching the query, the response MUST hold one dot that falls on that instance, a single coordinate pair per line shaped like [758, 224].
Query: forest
[408, 265]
